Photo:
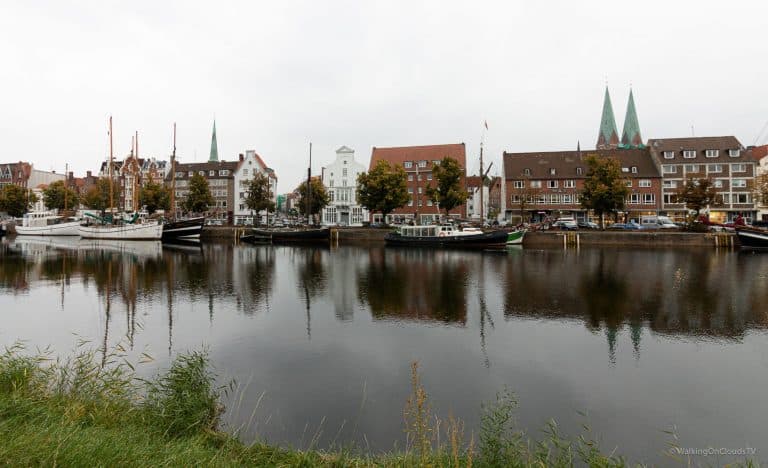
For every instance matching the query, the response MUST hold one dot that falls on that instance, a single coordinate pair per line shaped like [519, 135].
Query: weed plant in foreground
[83, 411]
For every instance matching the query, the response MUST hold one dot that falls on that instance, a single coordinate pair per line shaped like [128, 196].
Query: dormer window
[689, 154]
[578, 171]
[423, 163]
[624, 169]
[634, 169]
[527, 171]
[408, 164]
[734, 153]
[669, 155]
[552, 171]
[711, 153]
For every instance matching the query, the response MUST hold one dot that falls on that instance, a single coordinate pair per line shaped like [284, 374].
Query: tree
[97, 197]
[16, 200]
[154, 196]
[760, 192]
[605, 189]
[448, 194]
[697, 194]
[57, 195]
[524, 193]
[318, 197]
[199, 197]
[383, 189]
[259, 194]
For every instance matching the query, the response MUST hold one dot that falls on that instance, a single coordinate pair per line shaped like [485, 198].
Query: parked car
[565, 224]
[657, 222]
[630, 226]
[587, 225]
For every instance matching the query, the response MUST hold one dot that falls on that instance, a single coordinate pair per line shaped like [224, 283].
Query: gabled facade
[17, 173]
[722, 159]
[249, 165]
[418, 161]
[340, 181]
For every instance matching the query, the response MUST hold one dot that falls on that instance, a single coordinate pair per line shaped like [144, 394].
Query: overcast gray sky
[278, 75]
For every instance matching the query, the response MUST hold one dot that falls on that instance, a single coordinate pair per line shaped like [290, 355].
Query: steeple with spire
[631, 137]
[214, 146]
[608, 138]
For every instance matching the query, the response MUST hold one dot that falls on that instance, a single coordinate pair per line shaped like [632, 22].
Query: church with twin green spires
[608, 136]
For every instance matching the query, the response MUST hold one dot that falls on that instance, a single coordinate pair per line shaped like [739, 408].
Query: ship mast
[309, 187]
[136, 176]
[173, 174]
[66, 180]
[111, 198]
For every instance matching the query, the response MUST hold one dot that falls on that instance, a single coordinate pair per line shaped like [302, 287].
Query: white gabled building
[249, 165]
[340, 180]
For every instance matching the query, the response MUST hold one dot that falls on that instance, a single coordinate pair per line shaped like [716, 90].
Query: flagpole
[482, 184]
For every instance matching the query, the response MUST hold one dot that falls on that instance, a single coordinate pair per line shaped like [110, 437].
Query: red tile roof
[399, 155]
[759, 152]
[566, 163]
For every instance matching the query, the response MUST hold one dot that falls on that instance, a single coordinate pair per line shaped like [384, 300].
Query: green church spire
[609, 136]
[214, 146]
[631, 137]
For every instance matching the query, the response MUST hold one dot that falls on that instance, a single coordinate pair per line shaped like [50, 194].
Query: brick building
[418, 162]
[221, 181]
[552, 181]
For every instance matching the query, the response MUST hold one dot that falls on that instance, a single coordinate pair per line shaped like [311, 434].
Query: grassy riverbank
[84, 412]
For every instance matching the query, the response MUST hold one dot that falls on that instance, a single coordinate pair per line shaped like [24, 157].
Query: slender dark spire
[214, 146]
[631, 137]
[608, 137]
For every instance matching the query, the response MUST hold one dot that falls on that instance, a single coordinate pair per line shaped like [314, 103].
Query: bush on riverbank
[82, 412]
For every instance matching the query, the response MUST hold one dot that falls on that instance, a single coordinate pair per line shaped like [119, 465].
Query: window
[202, 173]
[738, 168]
[718, 183]
[419, 189]
[242, 195]
[579, 171]
[668, 169]
[569, 183]
[670, 184]
[634, 198]
[691, 168]
[649, 198]
[527, 171]
[669, 155]
[555, 198]
[519, 184]
[429, 176]
[344, 183]
[715, 168]
[211, 173]
[711, 153]
[624, 169]
[418, 178]
[410, 202]
[669, 198]
[740, 198]
[634, 169]
[344, 172]
[552, 171]
[734, 153]
[345, 162]
[191, 173]
[245, 172]
[423, 163]
[628, 183]
[552, 183]
[535, 184]
[540, 199]
[330, 183]
[435, 162]
[689, 154]
[644, 183]
[410, 177]
[429, 202]
[410, 190]
[567, 198]
[408, 164]
[739, 183]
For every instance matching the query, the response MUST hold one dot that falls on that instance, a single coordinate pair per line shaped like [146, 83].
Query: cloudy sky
[277, 75]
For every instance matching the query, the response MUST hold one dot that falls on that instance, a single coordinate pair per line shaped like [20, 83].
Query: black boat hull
[496, 239]
[186, 229]
[753, 238]
[261, 236]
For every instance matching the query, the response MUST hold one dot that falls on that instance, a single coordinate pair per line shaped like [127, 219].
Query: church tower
[631, 137]
[214, 146]
[608, 138]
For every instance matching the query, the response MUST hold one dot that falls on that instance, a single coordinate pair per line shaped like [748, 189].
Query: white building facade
[340, 181]
[251, 164]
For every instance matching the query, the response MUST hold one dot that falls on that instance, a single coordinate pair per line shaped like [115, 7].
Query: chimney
[241, 157]
[88, 174]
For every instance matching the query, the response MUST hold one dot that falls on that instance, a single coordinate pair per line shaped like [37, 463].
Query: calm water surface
[632, 342]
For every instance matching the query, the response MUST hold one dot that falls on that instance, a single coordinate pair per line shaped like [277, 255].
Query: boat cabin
[442, 230]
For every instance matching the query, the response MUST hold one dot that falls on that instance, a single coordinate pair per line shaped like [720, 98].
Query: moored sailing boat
[180, 229]
[106, 228]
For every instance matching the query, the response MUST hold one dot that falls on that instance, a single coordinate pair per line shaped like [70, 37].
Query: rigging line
[762, 130]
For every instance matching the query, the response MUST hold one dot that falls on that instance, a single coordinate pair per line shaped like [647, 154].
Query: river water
[634, 343]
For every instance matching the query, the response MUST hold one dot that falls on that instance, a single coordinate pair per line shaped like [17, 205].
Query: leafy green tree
[318, 197]
[97, 197]
[57, 196]
[16, 200]
[697, 194]
[383, 189]
[605, 189]
[448, 194]
[199, 197]
[258, 195]
[154, 196]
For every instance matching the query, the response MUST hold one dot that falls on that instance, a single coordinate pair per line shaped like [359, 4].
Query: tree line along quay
[621, 179]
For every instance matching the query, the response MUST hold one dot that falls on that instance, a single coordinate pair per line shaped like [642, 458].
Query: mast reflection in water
[640, 340]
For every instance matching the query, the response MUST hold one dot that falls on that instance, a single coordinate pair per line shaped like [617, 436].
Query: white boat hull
[144, 231]
[62, 229]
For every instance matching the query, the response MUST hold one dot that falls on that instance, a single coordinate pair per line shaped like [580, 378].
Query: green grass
[88, 412]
